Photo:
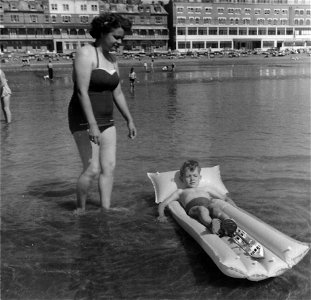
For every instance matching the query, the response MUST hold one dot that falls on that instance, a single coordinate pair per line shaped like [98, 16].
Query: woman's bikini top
[103, 80]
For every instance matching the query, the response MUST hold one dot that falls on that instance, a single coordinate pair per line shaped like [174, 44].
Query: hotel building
[62, 25]
[239, 24]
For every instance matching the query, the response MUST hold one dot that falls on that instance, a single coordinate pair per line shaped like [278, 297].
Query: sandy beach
[160, 62]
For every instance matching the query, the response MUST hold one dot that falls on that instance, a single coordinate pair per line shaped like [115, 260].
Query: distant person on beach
[50, 69]
[5, 93]
[173, 67]
[201, 203]
[145, 66]
[96, 89]
[132, 77]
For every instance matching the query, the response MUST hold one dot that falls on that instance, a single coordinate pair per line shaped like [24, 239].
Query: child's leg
[227, 225]
[216, 212]
[201, 213]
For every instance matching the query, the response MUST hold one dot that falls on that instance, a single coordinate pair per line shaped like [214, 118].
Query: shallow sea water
[252, 120]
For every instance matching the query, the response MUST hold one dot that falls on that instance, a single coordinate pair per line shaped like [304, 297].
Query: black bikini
[102, 84]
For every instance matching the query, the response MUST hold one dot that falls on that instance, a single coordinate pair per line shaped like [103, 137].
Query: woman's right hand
[94, 133]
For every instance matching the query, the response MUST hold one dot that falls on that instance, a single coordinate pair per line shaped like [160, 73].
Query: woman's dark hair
[106, 22]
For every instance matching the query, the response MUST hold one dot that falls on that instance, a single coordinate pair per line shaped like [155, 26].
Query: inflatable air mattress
[281, 252]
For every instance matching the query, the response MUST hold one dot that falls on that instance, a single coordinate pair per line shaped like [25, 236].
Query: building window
[212, 31]
[14, 18]
[202, 31]
[191, 20]
[83, 7]
[233, 31]
[197, 20]
[226, 44]
[181, 31]
[192, 31]
[142, 19]
[220, 10]
[47, 18]
[267, 11]
[208, 10]
[1, 18]
[197, 45]
[296, 12]
[223, 30]
[242, 31]
[275, 21]
[33, 18]
[237, 11]
[53, 6]
[207, 20]
[246, 21]
[269, 21]
[222, 20]
[181, 20]
[180, 9]
[271, 31]
[190, 10]
[252, 31]
[84, 19]
[53, 19]
[94, 7]
[230, 10]
[66, 19]
[276, 11]
[308, 22]
[247, 11]
[158, 20]
[257, 11]
[284, 11]
[198, 10]
[66, 7]
[283, 21]
[289, 31]
[308, 12]
[260, 21]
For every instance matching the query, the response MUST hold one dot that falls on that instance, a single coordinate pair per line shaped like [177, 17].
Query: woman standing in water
[5, 93]
[96, 90]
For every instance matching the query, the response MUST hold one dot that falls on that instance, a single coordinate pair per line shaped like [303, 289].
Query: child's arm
[173, 197]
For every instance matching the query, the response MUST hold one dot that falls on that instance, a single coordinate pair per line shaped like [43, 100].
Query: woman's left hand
[132, 130]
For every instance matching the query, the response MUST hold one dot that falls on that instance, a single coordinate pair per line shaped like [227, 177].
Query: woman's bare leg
[107, 161]
[6, 108]
[89, 153]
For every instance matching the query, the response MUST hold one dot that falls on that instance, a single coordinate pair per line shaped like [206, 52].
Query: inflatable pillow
[166, 183]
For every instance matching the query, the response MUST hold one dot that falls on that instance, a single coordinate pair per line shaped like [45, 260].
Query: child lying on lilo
[201, 203]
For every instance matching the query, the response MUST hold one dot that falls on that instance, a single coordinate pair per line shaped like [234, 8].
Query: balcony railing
[77, 37]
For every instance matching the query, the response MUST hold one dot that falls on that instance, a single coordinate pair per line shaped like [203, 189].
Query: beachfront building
[150, 24]
[62, 25]
[239, 24]
[45, 25]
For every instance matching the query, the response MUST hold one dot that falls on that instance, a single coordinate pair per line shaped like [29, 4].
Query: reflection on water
[254, 121]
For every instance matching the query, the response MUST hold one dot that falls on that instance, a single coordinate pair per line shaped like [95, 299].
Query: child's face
[192, 178]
